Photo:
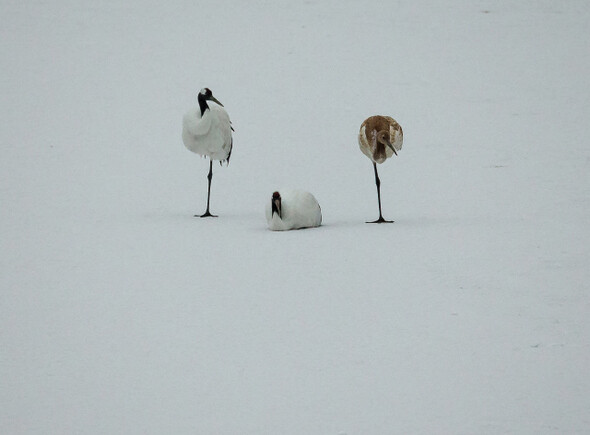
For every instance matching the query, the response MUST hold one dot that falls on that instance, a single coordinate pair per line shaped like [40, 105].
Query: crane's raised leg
[209, 177]
[378, 183]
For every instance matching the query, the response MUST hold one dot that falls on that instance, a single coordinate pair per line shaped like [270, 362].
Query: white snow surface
[299, 209]
[121, 313]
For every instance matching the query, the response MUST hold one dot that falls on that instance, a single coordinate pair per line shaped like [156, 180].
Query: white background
[121, 313]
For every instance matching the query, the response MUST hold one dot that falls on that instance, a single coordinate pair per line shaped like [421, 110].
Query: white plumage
[207, 130]
[208, 135]
[292, 209]
[380, 137]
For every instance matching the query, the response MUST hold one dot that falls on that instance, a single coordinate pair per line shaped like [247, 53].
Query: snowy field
[120, 313]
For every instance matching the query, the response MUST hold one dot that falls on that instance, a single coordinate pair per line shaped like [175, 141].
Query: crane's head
[385, 138]
[207, 95]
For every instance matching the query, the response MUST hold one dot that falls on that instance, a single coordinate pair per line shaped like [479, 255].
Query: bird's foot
[380, 221]
[206, 214]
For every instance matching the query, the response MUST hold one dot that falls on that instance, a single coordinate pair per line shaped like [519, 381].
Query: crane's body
[292, 209]
[380, 137]
[207, 130]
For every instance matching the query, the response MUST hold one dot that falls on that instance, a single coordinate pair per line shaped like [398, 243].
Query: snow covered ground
[121, 313]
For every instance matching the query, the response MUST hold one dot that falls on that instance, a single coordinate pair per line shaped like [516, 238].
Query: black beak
[392, 148]
[212, 98]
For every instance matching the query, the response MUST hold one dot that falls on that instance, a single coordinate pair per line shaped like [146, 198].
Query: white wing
[209, 135]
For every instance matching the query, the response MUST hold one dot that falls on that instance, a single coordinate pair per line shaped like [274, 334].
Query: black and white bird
[292, 210]
[207, 130]
[380, 137]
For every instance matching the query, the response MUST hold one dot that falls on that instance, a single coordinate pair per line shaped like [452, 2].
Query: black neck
[276, 209]
[202, 104]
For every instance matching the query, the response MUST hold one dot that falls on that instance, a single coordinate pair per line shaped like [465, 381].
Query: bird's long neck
[379, 144]
[202, 104]
[276, 207]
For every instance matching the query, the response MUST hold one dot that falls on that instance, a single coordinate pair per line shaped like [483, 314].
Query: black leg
[378, 183]
[209, 178]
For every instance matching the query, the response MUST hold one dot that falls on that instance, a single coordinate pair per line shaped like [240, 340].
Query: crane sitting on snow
[292, 210]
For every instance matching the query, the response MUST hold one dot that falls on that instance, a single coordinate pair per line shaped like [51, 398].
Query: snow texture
[121, 313]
